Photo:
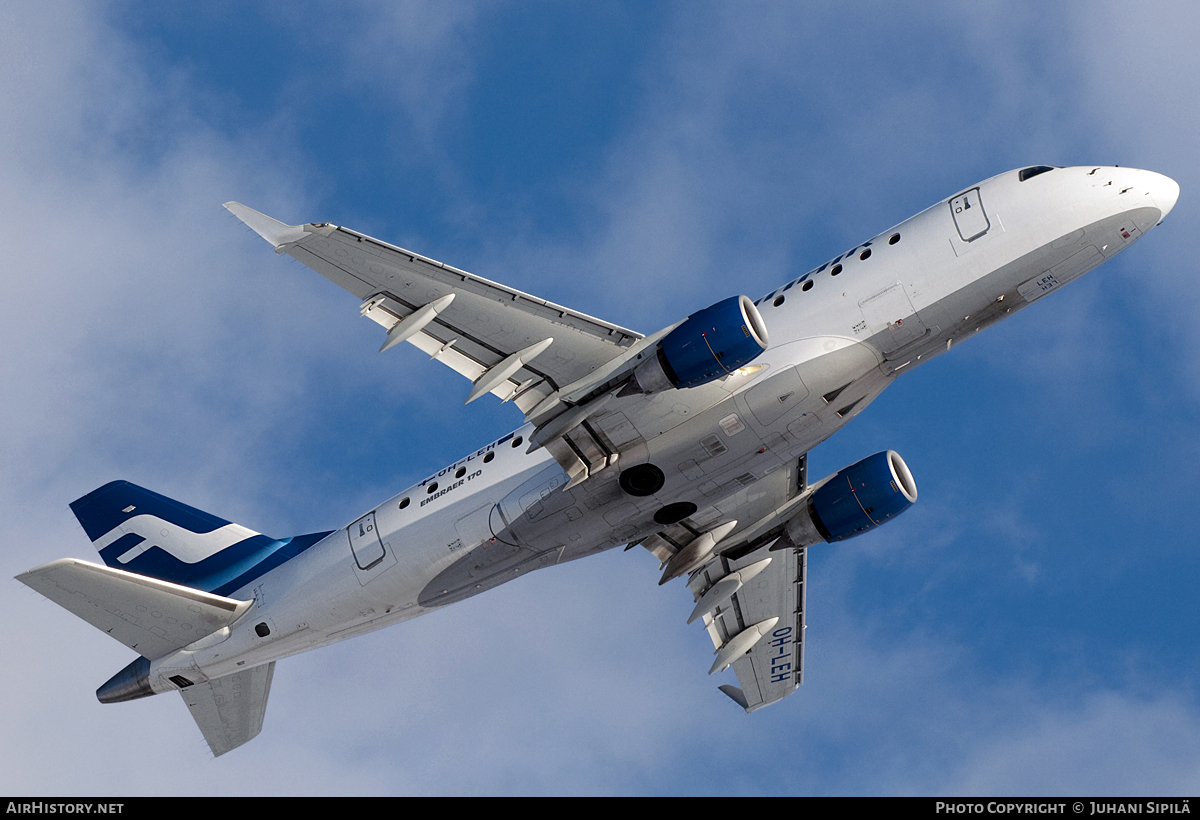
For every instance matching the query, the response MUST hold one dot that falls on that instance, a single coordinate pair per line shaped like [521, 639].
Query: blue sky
[1028, 628]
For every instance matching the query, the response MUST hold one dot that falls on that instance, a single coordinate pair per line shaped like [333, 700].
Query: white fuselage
[839, 336]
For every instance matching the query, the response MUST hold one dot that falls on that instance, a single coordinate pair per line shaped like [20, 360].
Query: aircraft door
[969, 216]
[364, 542]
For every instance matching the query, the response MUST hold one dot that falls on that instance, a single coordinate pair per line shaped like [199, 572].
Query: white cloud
[148, 341]
[1107, 743]
[1139, 74]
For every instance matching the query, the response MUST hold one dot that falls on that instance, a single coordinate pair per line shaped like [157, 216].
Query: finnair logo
[189, 547]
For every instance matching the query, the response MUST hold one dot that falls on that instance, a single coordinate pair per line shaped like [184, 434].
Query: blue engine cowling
[862, 496]
[709, 344]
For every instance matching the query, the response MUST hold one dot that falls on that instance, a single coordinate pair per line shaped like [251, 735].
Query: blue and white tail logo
[141, 531]
[189, 547]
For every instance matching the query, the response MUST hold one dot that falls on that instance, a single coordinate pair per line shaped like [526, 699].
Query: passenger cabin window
[1027, 173]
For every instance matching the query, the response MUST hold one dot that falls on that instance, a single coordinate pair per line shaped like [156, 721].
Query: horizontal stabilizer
[149, 616]
[230, 710]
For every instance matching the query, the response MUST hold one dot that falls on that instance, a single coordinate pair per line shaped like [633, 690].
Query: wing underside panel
[774, 667]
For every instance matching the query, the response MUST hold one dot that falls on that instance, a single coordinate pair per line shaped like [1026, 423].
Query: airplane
[691, 442]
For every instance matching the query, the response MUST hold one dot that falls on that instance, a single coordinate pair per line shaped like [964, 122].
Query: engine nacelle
[855, 499]
[710, 343]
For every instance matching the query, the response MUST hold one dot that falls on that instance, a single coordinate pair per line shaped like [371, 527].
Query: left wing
[508, 343]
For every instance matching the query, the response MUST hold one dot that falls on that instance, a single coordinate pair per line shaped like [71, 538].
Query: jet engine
[709, 344]
[854, 500]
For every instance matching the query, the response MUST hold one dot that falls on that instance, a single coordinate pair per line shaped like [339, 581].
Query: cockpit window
[1026, 173]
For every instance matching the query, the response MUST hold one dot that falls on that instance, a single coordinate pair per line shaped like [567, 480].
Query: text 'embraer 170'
[691, 442]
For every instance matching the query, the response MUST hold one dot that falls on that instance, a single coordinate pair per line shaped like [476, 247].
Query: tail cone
[130, 683]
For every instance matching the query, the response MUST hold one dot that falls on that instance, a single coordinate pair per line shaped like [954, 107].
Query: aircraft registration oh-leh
[691, 442]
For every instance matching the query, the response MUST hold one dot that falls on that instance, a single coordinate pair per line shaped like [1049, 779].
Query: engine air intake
[708, 345]
[863, 496]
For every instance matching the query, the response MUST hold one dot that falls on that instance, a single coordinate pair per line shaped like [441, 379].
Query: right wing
[751, 596]
[766, 611]
[492, 334]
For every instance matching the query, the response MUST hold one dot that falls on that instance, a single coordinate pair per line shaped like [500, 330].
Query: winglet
[272, 230]
[736, 695]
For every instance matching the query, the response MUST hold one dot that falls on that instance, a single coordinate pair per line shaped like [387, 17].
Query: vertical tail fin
[140, 531]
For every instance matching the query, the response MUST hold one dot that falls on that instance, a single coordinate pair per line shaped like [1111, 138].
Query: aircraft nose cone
[1164, 191]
